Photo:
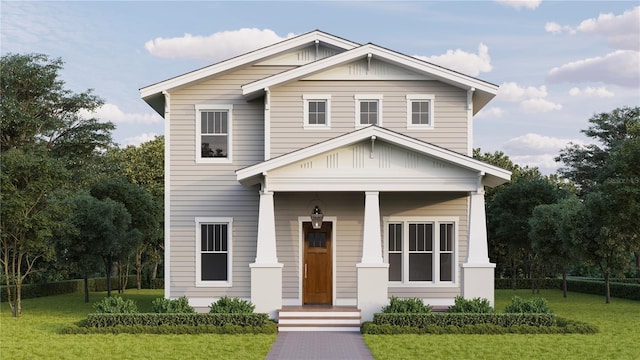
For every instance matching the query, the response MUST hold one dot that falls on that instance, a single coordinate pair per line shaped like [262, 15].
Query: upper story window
[420, 111]
[213, 133]
[213, 251]
[368, 109]
[317, 111]
[421, 251]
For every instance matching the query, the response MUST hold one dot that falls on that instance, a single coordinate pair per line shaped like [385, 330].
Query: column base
[372, 289]
[266, 288]
[478, 281]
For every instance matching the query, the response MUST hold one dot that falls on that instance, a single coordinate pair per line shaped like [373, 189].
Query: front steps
[319, 318]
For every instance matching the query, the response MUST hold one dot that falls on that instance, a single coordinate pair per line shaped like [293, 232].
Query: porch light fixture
[316, 218]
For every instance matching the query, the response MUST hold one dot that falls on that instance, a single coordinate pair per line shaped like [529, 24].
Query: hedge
[268, 327]
[625, 290]
[66, 287]
[152, 319]
[463, 319]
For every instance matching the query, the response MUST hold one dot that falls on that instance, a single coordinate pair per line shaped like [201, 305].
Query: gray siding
[288, 134]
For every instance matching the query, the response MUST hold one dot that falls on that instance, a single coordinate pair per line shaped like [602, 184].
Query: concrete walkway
[308, 345]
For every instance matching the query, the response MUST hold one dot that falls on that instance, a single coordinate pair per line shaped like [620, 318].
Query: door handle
[305, 271]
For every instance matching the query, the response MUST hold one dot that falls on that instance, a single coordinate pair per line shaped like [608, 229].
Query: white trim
[267, 124]
[436, 221]
[198, 140]
[167, 195]
[305, 111]
[410, 99]
[367, 97]
[333, 220]
[217, 220]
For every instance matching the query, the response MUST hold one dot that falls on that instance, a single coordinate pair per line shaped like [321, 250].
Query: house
[322, 171]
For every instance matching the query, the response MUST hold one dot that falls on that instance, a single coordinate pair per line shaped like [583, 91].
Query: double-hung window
[213, 133]
[368, 109]
[317, 111]
[421, 250]
[420, 111]
[213, 251]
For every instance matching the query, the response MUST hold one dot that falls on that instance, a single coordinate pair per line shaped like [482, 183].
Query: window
[421, 250]
[316, 111]
[368, 109]
[213, 251]
[213, 133]
[420, 111]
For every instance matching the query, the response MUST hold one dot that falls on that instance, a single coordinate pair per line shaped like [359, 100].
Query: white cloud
[137, 140]
[539, 105]
[491, 112]
[462, 61]
[111, 112]
[537, 150]
[544, 162]
[215, 47]
[621, 31]
[519, 4]
[621, 67]
[589, 91]
[511, 91]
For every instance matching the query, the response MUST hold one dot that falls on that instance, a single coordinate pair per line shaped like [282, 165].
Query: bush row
[67, 287]
[462, 320]
[268, 327]
[562, 326]
[152, 319]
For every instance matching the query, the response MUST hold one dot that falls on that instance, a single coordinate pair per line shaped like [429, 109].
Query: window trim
[198, 250]
[367, 97]
[199, 108]
[305, 111]
[436, 221]
[420, 97]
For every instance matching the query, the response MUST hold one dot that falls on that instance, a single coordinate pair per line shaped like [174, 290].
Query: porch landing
[319, 318]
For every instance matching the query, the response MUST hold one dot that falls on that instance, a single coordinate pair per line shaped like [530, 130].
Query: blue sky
[557, 62]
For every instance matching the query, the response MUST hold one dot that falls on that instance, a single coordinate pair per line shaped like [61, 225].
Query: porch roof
[447, 170]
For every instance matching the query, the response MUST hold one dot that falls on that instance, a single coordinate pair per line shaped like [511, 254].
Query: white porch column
[373, 273]
[477, 271]
[266, 272]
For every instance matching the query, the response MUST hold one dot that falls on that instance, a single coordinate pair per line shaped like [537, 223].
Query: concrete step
[319, 319]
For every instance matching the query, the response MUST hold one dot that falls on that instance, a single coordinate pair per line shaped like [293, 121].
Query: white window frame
[411, 98]
[305, 111]
[213, 107]
[368, 97]
[436, 221]
[214, 220]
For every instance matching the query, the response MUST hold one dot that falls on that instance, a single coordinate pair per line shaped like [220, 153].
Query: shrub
[534, 305]
[268, 327]
[150, 319]
[475, 305]
[406, 306]
[175, 306]
[226, 305]
[115, 305]
[461, 320]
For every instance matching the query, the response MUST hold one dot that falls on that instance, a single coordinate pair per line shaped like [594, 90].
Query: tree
[144, 220]
[555, 236]
[610, 169]
[45, 143]
[30, 209]
[144, 166]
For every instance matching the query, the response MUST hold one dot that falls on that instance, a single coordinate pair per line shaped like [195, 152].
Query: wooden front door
[317, 276]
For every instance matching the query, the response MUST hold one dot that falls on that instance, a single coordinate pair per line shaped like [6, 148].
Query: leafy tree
[30, 212]
[554, 233]
[144, 221]
[45, 142]
[610, 168]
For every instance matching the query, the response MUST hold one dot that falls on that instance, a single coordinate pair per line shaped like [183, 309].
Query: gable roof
[491, 175]
[152, 94]
[483, 91]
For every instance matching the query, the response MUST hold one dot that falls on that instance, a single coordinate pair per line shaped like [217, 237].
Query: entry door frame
[333, 220]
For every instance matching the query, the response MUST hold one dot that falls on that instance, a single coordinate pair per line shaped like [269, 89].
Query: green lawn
[618, 322]
[36, 335]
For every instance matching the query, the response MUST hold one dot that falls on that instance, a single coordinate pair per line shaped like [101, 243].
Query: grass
[618, 322]
[35, 335]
